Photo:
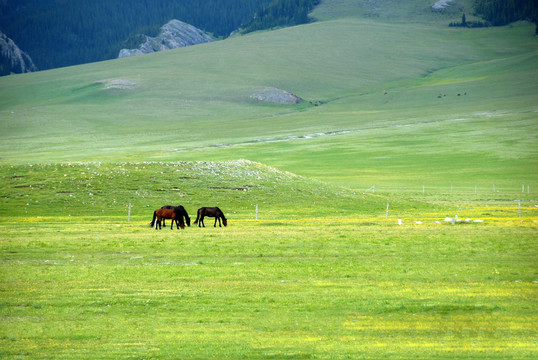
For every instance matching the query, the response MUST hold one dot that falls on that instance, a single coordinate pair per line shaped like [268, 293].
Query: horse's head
[224, 222]
[188, 220]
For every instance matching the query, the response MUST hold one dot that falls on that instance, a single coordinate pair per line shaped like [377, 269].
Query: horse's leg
[202, 220]
[215, 224]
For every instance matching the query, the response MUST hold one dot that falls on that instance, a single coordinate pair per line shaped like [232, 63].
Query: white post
[387, 214]
[522, 188]
[129, 216]
[519, 208]
[493, 187]
[256, 211]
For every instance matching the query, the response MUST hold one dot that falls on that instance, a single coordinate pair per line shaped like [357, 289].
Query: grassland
[324, 272]
[258, 290]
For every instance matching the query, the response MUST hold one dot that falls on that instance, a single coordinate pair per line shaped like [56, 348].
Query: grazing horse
[210, 212]
[181, 211]
[161, 214]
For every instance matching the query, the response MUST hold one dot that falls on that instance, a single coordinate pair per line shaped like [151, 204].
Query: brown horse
[210, 212]
[161, 214]
[180, 210]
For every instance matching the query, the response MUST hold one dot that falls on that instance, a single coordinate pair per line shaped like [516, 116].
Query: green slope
[377, 83]
[94, 189]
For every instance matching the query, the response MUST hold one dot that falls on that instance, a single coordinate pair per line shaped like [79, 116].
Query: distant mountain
[58, 33]
[13, 59]
[173, 34]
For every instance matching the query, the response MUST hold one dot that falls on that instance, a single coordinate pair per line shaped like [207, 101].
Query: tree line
[281, 13]
[58, 33]
[503, 12]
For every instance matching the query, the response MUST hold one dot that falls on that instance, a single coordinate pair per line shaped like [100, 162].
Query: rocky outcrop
[441, 4]
[174, 34]
[275, 96]
[12, 59]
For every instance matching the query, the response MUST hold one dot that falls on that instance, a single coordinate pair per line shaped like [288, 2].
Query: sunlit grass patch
[325, 288]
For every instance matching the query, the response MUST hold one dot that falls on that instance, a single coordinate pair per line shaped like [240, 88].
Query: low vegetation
[322, 273]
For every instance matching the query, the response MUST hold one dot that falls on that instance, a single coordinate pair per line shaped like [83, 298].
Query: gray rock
[441, 4]
[12, 58]
[173, 34]
[275, 96]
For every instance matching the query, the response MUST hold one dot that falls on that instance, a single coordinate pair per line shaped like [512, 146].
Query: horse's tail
[198, 214]
[154, 217]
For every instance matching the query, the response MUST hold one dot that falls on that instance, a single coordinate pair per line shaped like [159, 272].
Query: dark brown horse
[179, 210]
[161, 214]
[210, 212]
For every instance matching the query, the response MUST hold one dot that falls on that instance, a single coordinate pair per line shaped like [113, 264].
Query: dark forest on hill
[503, 12]
[58, 33]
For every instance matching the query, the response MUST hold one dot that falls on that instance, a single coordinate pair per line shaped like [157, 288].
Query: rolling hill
[380, 95]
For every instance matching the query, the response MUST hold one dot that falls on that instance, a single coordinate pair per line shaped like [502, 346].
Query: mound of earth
[122, 84]
[275, 96]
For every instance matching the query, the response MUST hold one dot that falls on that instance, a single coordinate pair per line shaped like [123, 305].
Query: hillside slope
[380, 96]
[238, 187]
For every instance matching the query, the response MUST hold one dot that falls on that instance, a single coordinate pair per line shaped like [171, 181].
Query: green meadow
[403, 118]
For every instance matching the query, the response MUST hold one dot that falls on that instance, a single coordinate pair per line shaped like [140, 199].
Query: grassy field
[400, 111]
[188, 104]
[265, 289]
[322, 273]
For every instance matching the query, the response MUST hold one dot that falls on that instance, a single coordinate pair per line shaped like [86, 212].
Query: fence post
[387, 214]
[256, 211]
[129, 215]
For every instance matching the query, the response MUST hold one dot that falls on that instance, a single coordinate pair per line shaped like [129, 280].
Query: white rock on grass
[441, 4]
